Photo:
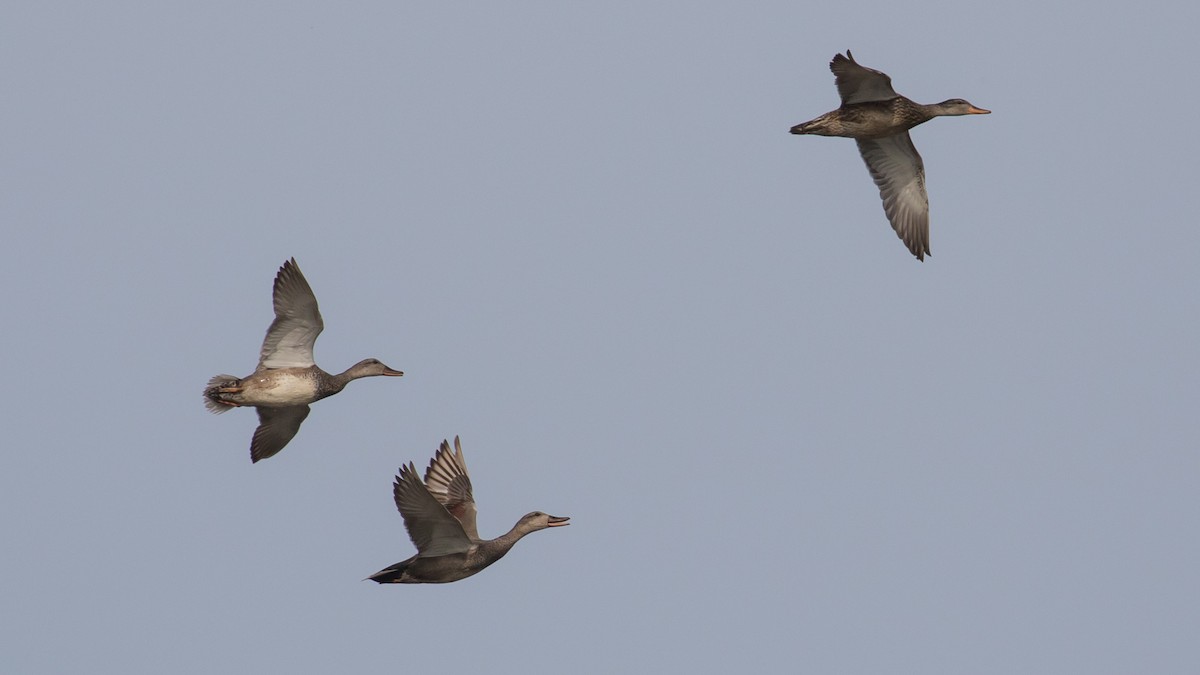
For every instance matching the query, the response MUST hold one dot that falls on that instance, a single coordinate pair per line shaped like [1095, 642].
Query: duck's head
[371, 368]
[532, 522]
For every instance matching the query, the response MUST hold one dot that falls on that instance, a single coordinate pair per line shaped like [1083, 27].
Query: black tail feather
[390, 575]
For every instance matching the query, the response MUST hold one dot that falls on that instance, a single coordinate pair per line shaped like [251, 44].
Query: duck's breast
[281, 389]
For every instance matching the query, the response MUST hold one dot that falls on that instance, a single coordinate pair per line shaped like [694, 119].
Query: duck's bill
[978, 111]
[557, 521]
[393, 373]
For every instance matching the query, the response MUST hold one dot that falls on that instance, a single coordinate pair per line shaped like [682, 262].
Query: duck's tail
[390, 575]
[809, 127]
[212, 397]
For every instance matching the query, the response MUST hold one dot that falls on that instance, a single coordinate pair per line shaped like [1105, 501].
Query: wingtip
[287, 267]
[258, 454]
[839, 57]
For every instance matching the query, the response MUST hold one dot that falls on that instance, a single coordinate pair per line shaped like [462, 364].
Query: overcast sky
[585, 234]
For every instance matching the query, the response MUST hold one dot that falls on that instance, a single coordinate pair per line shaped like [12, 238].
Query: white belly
[284, 392]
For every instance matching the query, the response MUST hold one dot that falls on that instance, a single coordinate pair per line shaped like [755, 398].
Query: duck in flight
[878, 118]
[439, 515]
[287, 379]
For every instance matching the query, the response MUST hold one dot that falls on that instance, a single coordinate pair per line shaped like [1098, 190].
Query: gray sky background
[585, 234]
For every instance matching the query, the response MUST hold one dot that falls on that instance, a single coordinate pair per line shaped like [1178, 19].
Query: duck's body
[443, 569]
[283, 387]
[439, 515]
[878, 118]
[271, 388]
[870, 119]
[286, 380]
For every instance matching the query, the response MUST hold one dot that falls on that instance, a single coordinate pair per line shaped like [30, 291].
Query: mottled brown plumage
[878, 118]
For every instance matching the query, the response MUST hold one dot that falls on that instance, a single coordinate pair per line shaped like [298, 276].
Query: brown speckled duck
[878, 118]
[287, 379]
[439, 515]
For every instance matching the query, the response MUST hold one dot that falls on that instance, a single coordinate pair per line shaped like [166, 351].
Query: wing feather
[430, 526]
[899, 173]
[291, 336]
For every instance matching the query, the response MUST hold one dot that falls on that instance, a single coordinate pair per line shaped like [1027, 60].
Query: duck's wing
[430, 526]
[449, 483]
[857, 84]
[289, 341]
[899, 174]
[276, 426]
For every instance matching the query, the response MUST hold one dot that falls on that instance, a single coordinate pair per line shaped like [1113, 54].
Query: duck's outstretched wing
[449, 483]
[899, 174]
[289, 341]
[430, 526]
[857, 84]
[276, 427]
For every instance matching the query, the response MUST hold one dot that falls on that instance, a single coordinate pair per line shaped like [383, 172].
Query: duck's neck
[504, 543]
[911, 111]
[928, 111]
[332, 384]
